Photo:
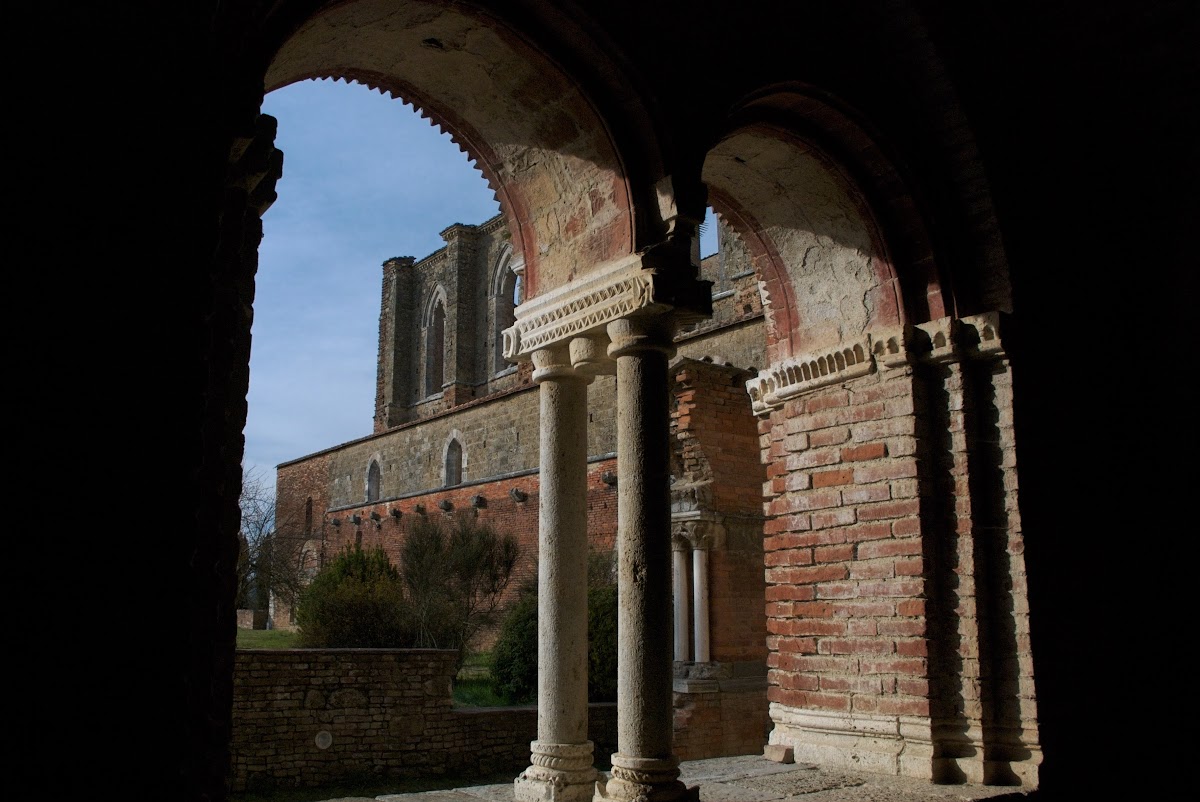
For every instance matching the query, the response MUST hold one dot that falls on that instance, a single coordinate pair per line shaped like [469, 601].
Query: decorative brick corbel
[938, 340]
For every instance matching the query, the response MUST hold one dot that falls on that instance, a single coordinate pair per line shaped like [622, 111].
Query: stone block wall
[303, 718]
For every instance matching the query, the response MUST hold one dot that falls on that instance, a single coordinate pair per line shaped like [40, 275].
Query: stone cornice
[618, 290]
[937, 341]
[803, 374]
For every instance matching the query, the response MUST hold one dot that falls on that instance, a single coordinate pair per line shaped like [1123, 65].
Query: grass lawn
[267, 639]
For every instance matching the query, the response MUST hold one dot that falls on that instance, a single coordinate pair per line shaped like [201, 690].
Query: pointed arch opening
[454, 463]
[434, 339]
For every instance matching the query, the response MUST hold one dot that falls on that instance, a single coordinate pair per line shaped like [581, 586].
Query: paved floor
[753, 778]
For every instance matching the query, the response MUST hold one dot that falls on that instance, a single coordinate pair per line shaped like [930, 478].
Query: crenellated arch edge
[942, 340]
[659, 281]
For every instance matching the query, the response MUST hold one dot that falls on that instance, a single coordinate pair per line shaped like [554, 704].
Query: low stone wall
[307, 717]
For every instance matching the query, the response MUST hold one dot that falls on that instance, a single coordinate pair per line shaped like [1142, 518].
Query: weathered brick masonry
[896, 601]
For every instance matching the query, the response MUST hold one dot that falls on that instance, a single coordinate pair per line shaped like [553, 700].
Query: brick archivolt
[945, 339]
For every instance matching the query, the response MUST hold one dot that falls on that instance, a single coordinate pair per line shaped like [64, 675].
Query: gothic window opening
[374, 478]
[435, 350]
[308, 516]
[454, 464]
[507, 296]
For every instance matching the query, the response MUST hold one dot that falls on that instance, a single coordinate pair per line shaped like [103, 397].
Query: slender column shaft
[561, 757]
[700, 602]
[644, 767]
[562, 562]
[679, 584]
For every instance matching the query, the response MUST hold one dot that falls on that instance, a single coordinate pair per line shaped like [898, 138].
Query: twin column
[561, 767]
[644, 767]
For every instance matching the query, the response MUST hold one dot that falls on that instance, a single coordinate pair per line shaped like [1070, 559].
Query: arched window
[308, 516]
[506, 296]
[435, 349]
[454, 463]
[374, 478]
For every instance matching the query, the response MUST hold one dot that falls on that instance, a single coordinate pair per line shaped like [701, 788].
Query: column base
[636, 779]
[560, 773]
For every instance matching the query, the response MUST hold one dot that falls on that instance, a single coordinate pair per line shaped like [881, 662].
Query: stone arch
[825, 257]
[539, 139]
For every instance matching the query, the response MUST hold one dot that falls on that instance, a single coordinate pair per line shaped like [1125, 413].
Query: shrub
[447, 587]
[357, 601]
[602, 643]
[514, 657]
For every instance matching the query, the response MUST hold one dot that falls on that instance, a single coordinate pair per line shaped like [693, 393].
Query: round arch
[535, 134]
[832, 226]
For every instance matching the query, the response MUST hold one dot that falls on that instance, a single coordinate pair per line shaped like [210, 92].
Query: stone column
[561, 767]
[680, 550]
[700, 602]
[643, 768]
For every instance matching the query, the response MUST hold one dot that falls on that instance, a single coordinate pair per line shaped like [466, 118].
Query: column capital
[554, 363]
[651, 283]
[699, 533]
[631, 335]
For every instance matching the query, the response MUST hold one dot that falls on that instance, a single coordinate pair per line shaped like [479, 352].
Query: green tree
[273, 556]
[455, 579]
[356, 601]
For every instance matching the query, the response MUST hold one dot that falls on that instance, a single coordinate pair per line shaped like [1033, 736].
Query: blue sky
[365, 178]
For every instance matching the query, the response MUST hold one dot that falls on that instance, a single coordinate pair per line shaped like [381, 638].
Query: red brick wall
[721, 723]
[500, 510]
[845, 592]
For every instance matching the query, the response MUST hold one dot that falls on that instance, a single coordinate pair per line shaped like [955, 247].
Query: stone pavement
[753, 778]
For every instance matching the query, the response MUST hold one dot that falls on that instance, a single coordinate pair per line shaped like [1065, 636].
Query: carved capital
[939, 340]
[589, 354]
[981, 335]
[649, 284]
[554, 363]
[703, 534]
